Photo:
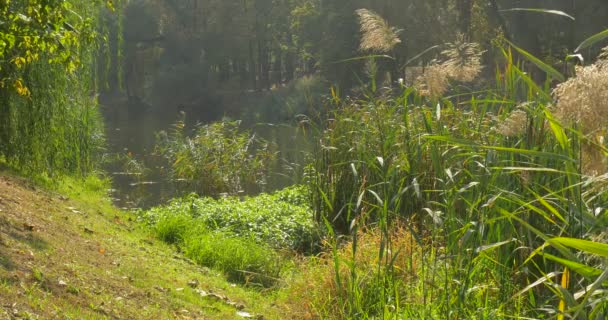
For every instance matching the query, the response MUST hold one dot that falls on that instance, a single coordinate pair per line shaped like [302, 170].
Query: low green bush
[281, 220]
[238, 236]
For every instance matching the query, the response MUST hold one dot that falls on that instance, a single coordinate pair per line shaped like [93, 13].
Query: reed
[495, 194]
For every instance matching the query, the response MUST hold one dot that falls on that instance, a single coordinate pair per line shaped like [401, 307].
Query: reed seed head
[583, 100]
[376, 34]
[460, 61]
[515, 124]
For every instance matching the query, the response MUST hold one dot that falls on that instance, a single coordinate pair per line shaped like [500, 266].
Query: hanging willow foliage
[49, 122]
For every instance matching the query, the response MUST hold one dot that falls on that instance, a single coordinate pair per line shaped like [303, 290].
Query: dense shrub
[281, 220]
[217, 159]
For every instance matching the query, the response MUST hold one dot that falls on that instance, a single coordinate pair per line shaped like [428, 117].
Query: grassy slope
[78, 257]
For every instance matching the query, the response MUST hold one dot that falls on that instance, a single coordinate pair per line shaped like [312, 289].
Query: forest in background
[190, 54]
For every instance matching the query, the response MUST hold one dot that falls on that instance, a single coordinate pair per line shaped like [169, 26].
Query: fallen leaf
[161, 289]
[193, 283]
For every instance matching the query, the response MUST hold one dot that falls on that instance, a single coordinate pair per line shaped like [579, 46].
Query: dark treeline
[196, 47]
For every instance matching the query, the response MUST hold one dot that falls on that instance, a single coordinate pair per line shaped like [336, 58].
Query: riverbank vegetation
[462, 176]
[434, 207]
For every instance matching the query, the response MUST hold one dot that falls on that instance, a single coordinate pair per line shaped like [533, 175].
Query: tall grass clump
[217, 159]
[242, 259]
[495, 189]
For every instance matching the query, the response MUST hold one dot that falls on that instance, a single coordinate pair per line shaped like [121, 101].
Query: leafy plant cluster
[281, 220]
[217, 159]
[51, 31]
[239, 236]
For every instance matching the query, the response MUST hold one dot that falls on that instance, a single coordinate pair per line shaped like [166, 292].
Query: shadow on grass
[6, 262]
[32, 240]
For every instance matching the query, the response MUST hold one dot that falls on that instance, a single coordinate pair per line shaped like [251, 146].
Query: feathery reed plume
[460, 61]
[433, 82]
[515, 124]
[376, 34]
[583, 101]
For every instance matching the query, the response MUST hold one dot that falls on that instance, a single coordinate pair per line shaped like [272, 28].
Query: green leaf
[373, 56]
[467, 143]
[577, 267]
[539, 63]
[493, 245]
[597, 248]
[537, 10]
[419, 55]
[558, 131]
[592, 40]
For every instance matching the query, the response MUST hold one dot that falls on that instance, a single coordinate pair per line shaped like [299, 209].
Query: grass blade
[597, 248]
[592, 40]
[577, 267]
[537, 10]
[539, 63]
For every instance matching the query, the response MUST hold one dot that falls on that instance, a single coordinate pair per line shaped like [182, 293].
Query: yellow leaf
[562, 302]
[21, 89]
[19, 62]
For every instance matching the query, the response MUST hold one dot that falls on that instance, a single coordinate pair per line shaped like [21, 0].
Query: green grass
[239, 236]
[282, 220]
[134, 276]
[242, 260]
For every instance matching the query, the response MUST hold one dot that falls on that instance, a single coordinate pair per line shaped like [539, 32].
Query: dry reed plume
[376, 34]
[582, 101]
[515, 124]
[460, 61]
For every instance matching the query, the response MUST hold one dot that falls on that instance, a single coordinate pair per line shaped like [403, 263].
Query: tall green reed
[484, 199]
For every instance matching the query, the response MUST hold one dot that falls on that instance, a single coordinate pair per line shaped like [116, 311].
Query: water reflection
[139, 177]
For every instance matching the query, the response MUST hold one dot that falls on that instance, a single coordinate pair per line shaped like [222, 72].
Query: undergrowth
[239, 236]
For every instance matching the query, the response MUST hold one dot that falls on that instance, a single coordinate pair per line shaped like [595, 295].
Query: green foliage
[486, 182]
[280, 220]
[241, 259]
[49, 122]
[171, 228]
[41, 30]
[217, 159]
[238, 237]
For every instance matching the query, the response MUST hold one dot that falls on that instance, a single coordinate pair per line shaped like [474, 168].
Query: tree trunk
[289, 59]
